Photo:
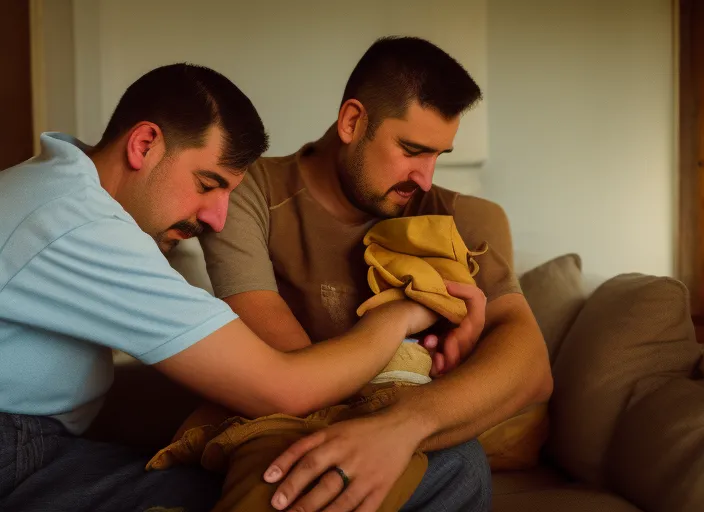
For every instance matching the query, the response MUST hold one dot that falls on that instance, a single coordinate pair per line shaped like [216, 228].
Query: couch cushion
[545, 489]
[656, 456]
[555, 294]
[539, 478]
[566, 499]
[553, 290]
[633, 326]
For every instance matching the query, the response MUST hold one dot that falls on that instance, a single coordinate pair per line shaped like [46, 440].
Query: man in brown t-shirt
[290, 263]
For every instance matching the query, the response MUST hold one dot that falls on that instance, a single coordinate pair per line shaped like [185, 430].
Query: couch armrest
[143, 409]
[656, 457]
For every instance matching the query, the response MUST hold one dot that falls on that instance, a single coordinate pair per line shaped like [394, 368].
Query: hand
[373, 451]
[459, 341]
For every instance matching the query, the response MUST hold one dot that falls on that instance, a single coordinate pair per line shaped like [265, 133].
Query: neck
[110, 168]
[321, 174]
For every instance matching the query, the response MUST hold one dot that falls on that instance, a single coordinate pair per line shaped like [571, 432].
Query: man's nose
[423, 173]
[215, 213]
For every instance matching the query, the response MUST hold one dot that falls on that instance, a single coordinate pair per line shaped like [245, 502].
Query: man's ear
[143, 138]
[351, 121]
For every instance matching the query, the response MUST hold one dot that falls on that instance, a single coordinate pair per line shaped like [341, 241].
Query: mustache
[405, 186]
[189, 229]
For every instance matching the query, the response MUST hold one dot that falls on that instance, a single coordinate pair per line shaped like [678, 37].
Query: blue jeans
[43, 468]
[458, 479]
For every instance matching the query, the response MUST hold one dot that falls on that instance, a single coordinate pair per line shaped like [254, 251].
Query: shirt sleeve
[237, 258]
[480, 221]
[106, 282]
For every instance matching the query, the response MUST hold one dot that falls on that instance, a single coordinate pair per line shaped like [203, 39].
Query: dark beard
[357, 191]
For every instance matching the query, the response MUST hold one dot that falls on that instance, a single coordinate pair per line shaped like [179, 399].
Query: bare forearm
[314, 377]
[236, 369]
[289, 390]
[449, 438]
[508, 371]
[270, 318]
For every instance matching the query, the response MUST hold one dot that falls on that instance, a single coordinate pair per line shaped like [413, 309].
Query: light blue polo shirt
[77, 278]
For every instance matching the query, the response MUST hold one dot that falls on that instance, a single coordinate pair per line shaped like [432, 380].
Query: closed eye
[209, 180]
[412, 149]
[411, 152]
[205, 188]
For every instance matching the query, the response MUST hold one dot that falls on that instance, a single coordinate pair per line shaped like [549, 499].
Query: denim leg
[25, 443]
[457, 479]
[44, 468]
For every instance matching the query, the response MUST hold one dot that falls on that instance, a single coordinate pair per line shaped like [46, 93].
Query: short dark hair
[395, 71]
[184, 100]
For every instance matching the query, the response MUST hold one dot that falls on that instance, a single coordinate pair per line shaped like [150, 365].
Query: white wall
[291, 58]
[580, 100]
[581, 130]
[53, 86]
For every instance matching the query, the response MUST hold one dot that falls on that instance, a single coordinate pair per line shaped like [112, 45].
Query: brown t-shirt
[277, 237]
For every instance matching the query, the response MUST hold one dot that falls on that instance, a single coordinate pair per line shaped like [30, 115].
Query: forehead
[422, 126]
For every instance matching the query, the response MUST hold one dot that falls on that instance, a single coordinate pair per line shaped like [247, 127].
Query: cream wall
[291, 58]
[577, 130]
[53, 73]
[581, 130]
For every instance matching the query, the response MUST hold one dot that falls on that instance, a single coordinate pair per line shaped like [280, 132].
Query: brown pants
[245, 448]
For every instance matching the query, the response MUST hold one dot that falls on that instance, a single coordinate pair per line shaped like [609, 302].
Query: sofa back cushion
[555, 294]
[632, 327]
[655, 459]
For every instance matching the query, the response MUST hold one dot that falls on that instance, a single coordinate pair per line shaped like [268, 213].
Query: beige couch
[627, 413]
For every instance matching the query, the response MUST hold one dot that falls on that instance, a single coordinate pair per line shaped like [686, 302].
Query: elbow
[542, 382]
[295, 410]
[291, 403]
[544, 387]
[298, 403]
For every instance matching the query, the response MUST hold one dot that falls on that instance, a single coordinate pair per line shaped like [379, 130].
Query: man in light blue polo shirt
[82, 232]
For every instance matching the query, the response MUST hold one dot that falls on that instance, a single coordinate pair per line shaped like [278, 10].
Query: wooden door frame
[690, 254]
[15, 94]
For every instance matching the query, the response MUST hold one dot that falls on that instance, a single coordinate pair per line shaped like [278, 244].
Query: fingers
[284, 462]
[438, 365]
[354, 498]
[460, 341]
[451, 351]
[329, 486]
[464, 291]
[430, 342]
[310, 467]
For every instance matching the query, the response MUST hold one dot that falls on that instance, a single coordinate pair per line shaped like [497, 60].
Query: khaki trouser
[245, 448]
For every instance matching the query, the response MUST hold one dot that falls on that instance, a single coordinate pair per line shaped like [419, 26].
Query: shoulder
[436, 201]
[442, 201]
[480, 209]
[276, 178]
[40, 203]
[479, 219]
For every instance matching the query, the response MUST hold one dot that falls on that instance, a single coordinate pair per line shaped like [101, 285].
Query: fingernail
[272, 474]
[279, 501]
